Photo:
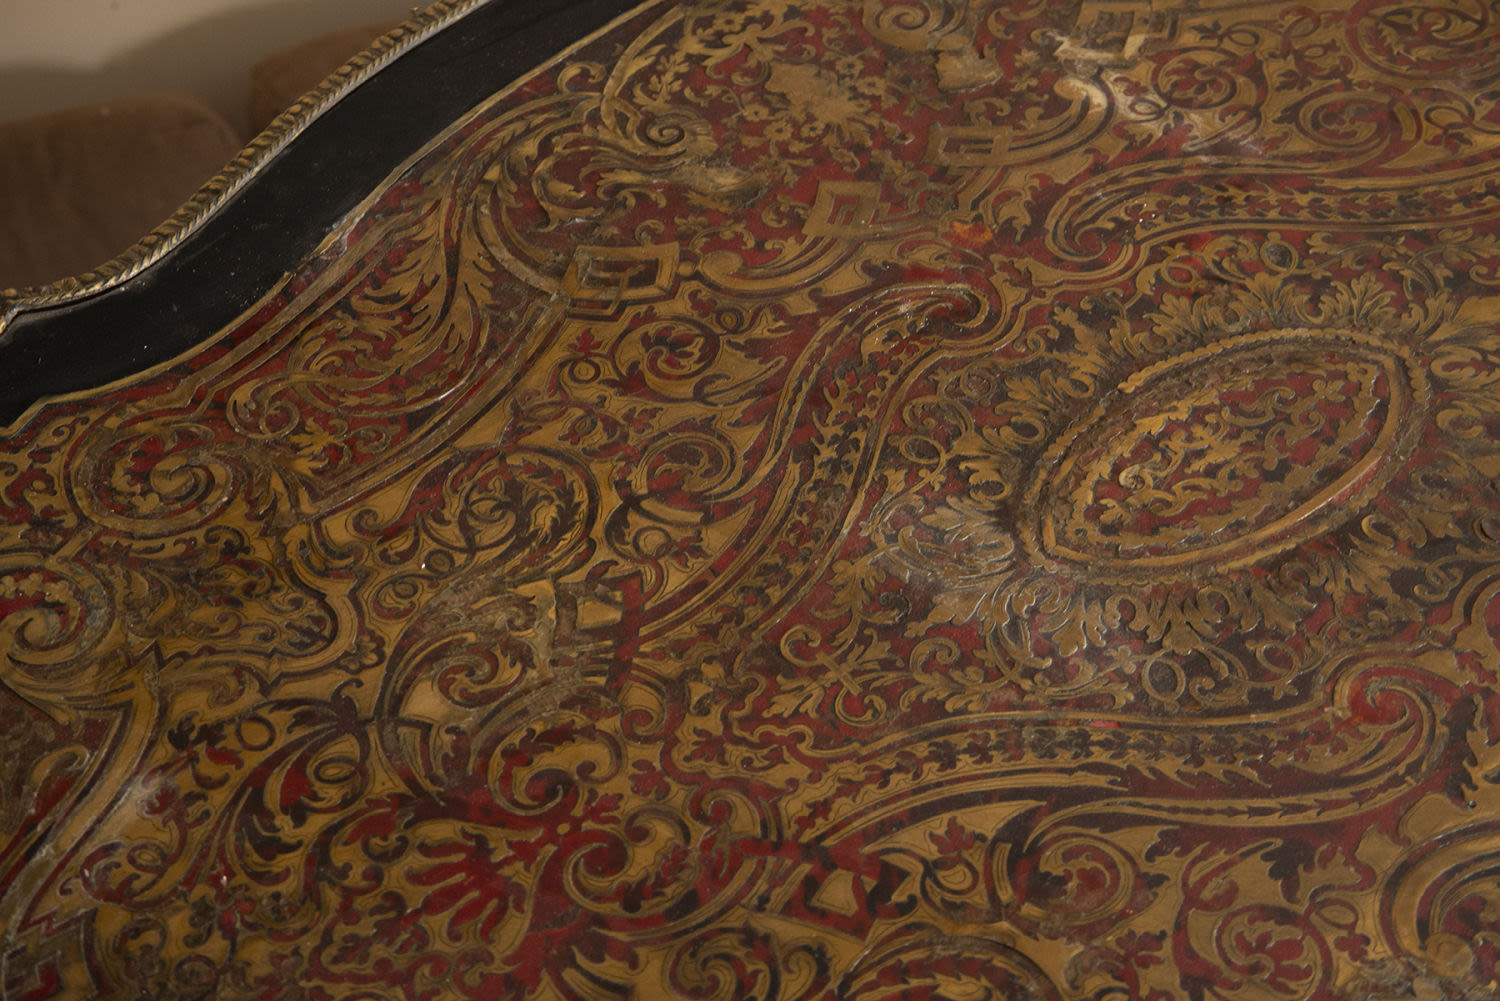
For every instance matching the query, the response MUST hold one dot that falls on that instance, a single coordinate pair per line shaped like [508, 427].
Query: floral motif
[849, 498]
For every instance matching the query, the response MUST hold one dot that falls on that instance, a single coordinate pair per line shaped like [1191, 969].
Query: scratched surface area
[809, 499]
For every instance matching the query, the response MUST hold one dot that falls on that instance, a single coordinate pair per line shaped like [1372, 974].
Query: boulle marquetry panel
[804, 500]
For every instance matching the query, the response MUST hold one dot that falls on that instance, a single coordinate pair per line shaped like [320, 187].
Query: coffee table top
[898, 498]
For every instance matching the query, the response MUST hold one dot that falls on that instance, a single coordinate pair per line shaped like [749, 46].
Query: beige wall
[59, 53]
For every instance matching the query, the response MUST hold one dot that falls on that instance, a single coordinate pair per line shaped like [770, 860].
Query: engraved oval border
[1408, 381]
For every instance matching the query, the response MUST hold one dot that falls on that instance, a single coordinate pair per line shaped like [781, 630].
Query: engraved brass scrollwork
[848, 499]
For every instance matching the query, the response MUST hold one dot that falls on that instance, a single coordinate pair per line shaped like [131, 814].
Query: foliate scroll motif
[850, 499]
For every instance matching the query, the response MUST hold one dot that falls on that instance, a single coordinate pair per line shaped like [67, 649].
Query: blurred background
[114, 112]
[61, 53]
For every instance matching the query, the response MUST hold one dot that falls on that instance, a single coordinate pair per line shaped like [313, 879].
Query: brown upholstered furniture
[78, 187]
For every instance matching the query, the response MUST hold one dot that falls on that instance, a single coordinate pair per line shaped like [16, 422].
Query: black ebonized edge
[284, 211]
